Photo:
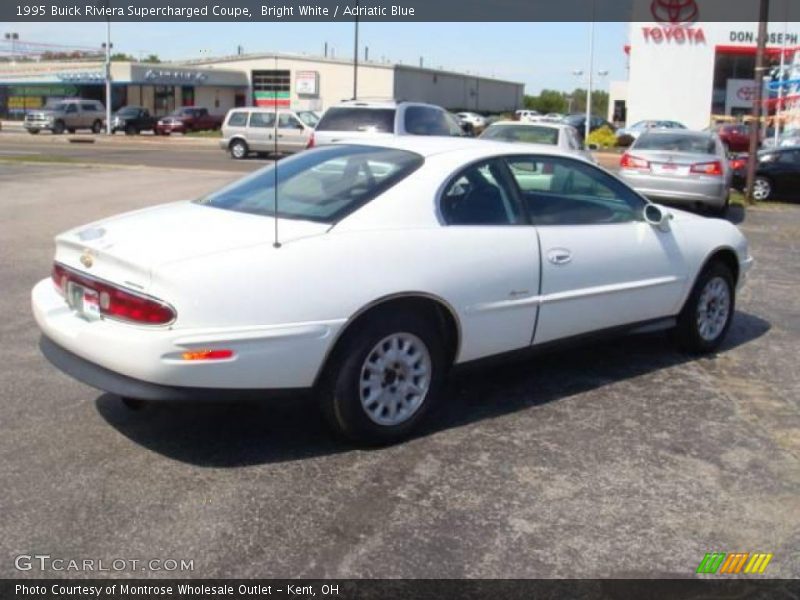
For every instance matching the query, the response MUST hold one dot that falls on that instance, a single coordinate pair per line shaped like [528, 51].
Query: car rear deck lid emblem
[86, 259]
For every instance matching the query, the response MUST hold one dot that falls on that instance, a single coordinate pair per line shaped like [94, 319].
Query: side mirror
[593, 147]
[657, 216]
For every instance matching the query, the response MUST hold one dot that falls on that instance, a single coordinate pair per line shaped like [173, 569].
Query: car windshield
[575, 119]
[529, 134]
[346, 118]
[308, 118]
[128, 110]
[695, 144]
[321, 185]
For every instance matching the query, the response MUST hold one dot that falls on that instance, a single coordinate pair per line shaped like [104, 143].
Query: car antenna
[276, 243]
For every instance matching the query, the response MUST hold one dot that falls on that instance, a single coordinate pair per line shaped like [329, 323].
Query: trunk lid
[679, 164]
[125, 249]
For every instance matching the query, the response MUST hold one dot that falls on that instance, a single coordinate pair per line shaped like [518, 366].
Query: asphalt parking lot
[620, 459]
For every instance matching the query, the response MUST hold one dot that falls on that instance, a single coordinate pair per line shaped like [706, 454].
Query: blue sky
[542, 55]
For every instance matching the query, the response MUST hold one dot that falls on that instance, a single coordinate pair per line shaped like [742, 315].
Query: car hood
[128, 247]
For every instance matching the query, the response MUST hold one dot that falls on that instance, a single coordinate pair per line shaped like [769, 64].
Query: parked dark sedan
[132, 120]
[777, 173]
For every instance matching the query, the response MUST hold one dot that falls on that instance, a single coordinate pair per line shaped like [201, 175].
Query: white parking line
[17, 152]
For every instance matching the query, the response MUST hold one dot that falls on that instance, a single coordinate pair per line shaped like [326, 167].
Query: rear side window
[346, 118]
[423, 120]
[321, 185]
[88, 106]
[238, 119]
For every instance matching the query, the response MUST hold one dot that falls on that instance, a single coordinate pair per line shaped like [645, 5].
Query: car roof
[550, 124]
[427, 146]
[380, 104]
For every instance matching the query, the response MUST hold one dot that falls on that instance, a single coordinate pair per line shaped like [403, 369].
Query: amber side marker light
[207, 355]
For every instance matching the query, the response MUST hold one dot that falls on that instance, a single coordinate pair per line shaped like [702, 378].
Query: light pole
[12, 37]
[588, 126]
[355, 59]
[107, 46]
[578, 73]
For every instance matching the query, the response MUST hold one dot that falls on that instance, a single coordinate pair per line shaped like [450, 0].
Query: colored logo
[674, 11]
[734, 563]
[746, 93]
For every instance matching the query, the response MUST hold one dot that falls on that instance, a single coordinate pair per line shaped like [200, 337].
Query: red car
[735, 137]
[184, 120]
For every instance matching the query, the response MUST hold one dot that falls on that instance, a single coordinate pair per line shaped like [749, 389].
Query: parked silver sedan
[561, 135]
[679, 167]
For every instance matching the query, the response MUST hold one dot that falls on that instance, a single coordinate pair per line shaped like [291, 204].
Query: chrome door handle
[559, 256]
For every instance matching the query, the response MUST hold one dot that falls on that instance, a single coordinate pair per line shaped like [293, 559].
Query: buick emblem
[674, 11]
[86, 259]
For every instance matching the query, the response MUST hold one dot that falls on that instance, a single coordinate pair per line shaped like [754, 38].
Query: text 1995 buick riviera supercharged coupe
[396, 261]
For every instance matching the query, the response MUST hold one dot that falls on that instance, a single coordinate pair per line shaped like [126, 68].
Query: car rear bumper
[121, 385]
[712, 191]
[285, 356]
[171, 128]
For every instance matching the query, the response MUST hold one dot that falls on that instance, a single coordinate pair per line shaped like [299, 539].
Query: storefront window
[187, 95]
[164, 99]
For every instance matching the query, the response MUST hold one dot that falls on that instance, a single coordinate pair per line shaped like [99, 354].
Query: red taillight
[633, 162]
[59, 275]
[311, 141]
[738, 163]
[116, 302]
[709, 168]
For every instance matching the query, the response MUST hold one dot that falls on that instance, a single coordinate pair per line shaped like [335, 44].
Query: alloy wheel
[395, 379]
[713, 309]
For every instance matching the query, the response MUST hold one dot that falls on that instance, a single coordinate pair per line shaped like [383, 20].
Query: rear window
[529, 134]
[238, 119]
[346, 118]
[695, 144]
[324, 184]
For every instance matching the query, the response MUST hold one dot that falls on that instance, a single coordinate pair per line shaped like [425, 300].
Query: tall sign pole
[108, 77]
[752, 159]
[355, 59]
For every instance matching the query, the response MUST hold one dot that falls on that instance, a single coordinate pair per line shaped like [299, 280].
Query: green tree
[121, 56]
[151, 58]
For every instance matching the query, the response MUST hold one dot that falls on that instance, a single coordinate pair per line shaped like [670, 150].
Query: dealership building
[282, 80]
[693, 71]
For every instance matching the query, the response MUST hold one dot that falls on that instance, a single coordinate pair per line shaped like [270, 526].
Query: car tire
[762, 189]
[238, 149]
[131, 130]
[33, 131]
[71, 130]
[708, 312]
[97, 126]
[722, 211]
[58, 127]
[407, 359]
[133, 404]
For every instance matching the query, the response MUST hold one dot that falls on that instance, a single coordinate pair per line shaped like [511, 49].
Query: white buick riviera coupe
[394, 261]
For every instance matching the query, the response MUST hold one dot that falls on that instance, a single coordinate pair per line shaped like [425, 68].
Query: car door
[494, 278]
[260, 133]
[291, 133]
[786, 173]
[602, 265]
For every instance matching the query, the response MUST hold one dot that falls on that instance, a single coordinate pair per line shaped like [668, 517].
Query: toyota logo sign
[746, 93]
[674, 11]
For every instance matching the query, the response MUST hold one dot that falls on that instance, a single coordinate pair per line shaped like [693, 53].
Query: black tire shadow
[234, 434]
[736, 214]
